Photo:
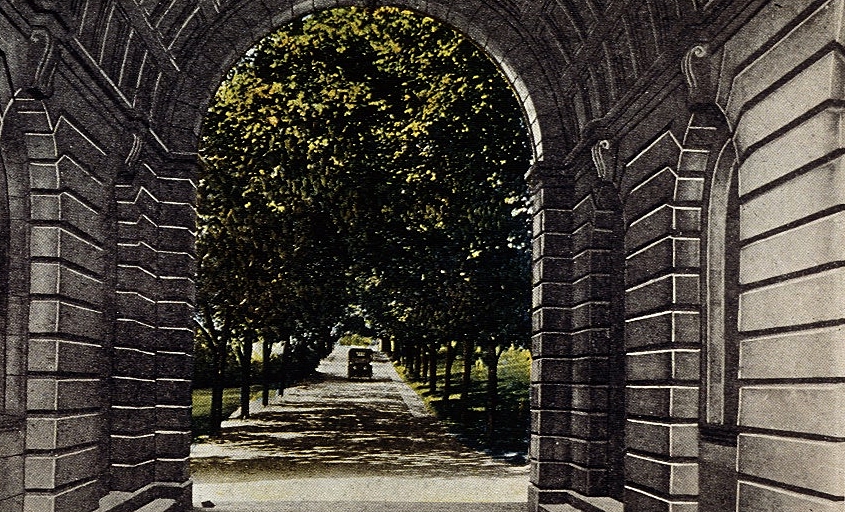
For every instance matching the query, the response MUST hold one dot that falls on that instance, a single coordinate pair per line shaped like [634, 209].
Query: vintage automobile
[360, 363]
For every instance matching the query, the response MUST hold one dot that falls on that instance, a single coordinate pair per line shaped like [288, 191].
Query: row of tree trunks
[421, 363]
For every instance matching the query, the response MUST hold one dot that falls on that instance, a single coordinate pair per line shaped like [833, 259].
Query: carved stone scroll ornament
[44, 51]
[130, 167]
[134, 151]
[699, 71]
[604, 170]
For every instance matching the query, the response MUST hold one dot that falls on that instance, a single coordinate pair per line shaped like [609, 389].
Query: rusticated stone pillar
[551, 314]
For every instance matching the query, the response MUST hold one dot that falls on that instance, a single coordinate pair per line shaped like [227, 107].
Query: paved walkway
[335, 445]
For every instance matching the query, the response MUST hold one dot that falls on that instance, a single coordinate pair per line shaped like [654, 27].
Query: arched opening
[378, 189]
[154, 196]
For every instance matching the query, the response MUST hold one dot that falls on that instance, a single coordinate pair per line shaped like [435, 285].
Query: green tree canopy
[365, 157]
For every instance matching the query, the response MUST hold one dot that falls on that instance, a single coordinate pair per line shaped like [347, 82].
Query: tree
[368, 158]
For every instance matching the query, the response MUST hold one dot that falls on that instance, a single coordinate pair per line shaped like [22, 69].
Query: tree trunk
[466, 377]
[267, 348]
[245, 357]
[324, 346]
[447, 377]
[283, 378]
[409, 360]
[217, 385]
[415, 374]
[432, 367]
[326, 342]
[425, 363]
[218, 342]
[492, 362]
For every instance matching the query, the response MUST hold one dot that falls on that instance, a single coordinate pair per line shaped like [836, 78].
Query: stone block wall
[550, 446]
[576, 375]
[747, 415]
[662, 192]
[785, 103]
[66, 389]
[97, 324]
[151, 368]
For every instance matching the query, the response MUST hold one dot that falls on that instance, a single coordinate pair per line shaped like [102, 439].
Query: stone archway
[154, 197]
[110, 96]
[205, 55]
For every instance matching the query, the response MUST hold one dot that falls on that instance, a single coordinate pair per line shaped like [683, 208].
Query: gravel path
[338, 445]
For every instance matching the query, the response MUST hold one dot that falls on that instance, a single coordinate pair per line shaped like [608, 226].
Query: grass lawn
[514, 420]
[201, 412]
[355, 340]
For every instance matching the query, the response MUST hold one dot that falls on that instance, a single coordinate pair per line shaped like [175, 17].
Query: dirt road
[338, 445]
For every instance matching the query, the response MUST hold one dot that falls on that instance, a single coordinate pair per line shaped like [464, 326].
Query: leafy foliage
[363, 162]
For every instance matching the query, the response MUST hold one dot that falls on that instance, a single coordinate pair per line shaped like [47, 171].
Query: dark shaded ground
[365, 443]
